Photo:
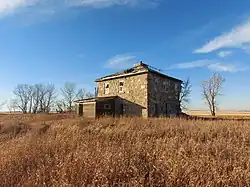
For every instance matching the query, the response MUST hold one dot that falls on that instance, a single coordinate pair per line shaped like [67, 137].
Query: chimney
[139, 64]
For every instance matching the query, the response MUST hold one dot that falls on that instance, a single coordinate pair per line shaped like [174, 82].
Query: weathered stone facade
[133, 95]
[138, 91]
[145, 93]
[163, 95]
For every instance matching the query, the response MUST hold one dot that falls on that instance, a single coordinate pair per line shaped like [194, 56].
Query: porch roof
[94, 99]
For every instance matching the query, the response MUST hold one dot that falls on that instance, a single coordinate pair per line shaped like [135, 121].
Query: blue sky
[55, 41]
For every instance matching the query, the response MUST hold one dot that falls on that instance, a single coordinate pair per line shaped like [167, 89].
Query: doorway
[80, 110]
[121, 109]
[156, 111]
[167, 109]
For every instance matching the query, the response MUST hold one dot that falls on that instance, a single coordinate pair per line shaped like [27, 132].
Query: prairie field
[220, 114]
[63, 150]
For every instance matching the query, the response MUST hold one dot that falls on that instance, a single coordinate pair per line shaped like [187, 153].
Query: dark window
[80, 108]
[167, 106]
[121, 84]
[106, 88]
[107, 106]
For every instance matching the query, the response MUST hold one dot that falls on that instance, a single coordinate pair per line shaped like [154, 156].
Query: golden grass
[54, 151]
[220, 114]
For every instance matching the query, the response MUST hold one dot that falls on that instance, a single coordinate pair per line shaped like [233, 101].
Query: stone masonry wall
[163, 94]
[134, 96]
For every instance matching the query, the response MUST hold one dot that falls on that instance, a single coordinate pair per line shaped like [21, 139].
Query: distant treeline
[45, 98]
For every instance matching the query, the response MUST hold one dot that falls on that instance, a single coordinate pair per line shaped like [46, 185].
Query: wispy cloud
[237, 37]
[223, 54]
[222, 67]
[193, 64]
[209, 64]
[8, 7]
[108, 3]
[120, 61]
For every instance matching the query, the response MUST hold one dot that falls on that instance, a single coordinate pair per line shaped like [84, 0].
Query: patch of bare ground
[126, 152]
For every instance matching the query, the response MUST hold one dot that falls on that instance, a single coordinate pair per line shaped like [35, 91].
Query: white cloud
[108, 3]
[120, 61]
[237, 37]
[210, 64]
[222, 67]
[9, 6]
[13, 6]
[193, 64]
[224, 54]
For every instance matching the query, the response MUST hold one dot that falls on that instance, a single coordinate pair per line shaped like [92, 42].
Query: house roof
[139, 68]
[94, 99]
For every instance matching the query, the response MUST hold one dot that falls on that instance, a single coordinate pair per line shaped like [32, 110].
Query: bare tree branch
[89, 95]
[81, 94]
[35, 98]
[2, 104]
[23, 97]
[69, 93]
[211, 89]
[12, 105]
[185, 94]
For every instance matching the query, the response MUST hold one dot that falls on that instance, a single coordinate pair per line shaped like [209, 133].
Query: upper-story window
[165, 86]
[106, 88]
[156, 85]
[176, 87]
[121, 86]
[172, 85]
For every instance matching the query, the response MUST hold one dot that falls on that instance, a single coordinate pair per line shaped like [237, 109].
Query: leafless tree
[81, 94]
[12, 105]
[35, 98]
[211, 89]
[89, 95]
[70, 94]
[22, 93]
[43, 97]
[2, 104]
[50, 97]
[47, 97]
[30, 97]
[185, 93]
[60, 106]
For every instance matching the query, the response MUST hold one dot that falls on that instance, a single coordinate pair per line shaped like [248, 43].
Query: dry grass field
[224, 114]
[59, 150]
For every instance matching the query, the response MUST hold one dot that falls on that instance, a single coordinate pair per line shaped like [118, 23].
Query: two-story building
[138, 91]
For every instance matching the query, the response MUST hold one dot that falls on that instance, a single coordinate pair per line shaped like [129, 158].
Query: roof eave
[120, 76]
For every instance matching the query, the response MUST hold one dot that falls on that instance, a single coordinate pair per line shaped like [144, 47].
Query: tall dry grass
[124, 152]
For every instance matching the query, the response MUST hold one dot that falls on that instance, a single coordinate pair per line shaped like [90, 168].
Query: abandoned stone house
[138, 91]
